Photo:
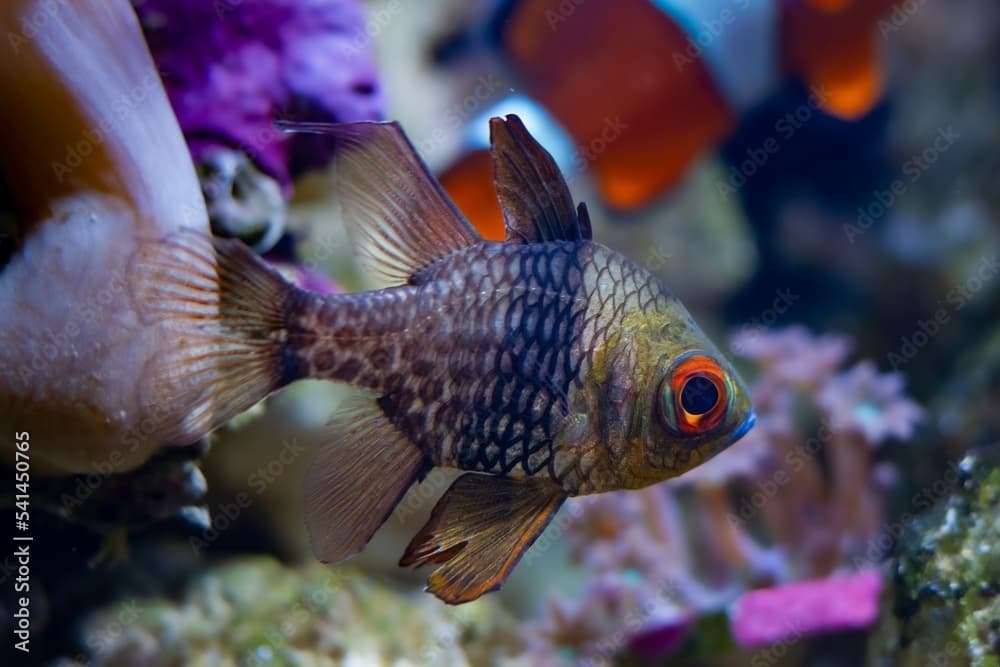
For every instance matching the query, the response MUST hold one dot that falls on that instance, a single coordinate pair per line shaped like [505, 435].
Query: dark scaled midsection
[484, 369]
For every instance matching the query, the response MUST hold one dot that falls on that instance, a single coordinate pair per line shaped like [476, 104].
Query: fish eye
[695, 396]
[699, 395]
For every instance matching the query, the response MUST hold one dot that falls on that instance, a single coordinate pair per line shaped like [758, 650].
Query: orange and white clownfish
[633, 91]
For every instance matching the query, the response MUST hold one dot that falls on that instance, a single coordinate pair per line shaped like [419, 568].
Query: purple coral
[655, 642]
[231, 67]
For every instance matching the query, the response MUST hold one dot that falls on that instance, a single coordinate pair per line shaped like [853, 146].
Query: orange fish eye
[695, 397]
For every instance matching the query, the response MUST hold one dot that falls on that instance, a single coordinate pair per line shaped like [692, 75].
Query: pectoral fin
[479, 530]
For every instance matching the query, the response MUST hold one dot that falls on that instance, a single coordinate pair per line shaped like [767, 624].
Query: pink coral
[871, 403]
[792, 355]
[793, 611]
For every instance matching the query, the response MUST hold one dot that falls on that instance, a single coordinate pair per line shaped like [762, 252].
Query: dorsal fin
[400, 215]
[536, 202]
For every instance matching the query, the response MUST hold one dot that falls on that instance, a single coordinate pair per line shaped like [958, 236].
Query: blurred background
[817, 180]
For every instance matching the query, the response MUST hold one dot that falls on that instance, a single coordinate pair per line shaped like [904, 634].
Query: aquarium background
[849, 266]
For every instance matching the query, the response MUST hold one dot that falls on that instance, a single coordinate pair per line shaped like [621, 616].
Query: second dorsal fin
[400, 215]
[536, 202]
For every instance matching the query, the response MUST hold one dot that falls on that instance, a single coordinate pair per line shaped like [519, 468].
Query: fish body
[547, 366]
[632, 92]
[483, 363]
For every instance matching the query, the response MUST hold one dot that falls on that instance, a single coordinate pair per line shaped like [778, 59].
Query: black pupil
[699, 395]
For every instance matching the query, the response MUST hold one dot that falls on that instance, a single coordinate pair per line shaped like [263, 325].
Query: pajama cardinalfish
[547, 366]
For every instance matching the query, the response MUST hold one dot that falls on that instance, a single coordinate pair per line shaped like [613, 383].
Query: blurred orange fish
[673, 76]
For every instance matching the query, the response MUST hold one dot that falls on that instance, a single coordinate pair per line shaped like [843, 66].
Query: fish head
[686, 402]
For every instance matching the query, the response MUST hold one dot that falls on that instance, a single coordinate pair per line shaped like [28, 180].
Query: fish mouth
[742, 429]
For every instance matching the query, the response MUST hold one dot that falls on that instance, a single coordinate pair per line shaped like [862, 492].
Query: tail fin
[221, 318]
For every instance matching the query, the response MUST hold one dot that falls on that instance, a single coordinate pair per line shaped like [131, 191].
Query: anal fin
[357, 479]
[478, 531]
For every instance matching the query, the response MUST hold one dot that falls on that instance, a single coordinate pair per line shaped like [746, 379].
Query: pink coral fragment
[791, 611]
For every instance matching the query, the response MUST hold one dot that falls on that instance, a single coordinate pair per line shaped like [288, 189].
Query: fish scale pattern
[476, 360]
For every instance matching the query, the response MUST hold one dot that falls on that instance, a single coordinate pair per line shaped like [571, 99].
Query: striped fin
[536, 202]
[400, 215]
[479, 530]
[222, 312]
[357, 479]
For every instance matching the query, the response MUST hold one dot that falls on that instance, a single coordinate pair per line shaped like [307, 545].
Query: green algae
[943, 607]
[257, 612]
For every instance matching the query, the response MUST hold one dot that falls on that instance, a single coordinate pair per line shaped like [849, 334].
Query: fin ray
[536, 202]
[399, 213]
[357, 480]
[220, 309]
[479, 530]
